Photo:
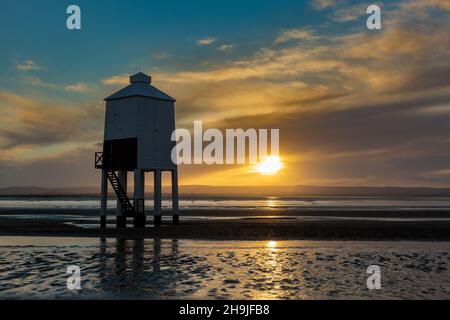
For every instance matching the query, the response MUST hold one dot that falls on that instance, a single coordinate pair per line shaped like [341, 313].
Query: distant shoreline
[188, 191]
[246, 225]
[244, 212]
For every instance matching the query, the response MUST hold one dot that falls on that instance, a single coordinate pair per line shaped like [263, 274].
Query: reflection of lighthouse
[139, 123]
[140, 269]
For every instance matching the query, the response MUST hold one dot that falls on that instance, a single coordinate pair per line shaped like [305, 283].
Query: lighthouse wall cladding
[139, 122]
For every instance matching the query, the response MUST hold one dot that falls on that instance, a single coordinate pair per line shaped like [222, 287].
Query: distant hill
[280, 191]
[16, 191]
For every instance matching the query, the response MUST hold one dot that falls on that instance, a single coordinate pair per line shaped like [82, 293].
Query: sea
[238, 203]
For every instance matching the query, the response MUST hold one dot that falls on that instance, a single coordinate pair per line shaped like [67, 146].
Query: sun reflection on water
[272, 203]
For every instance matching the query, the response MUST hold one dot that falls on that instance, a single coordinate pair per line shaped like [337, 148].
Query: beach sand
[240, 225]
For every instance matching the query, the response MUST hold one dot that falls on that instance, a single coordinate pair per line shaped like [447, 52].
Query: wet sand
[375, 225]
[185, 269]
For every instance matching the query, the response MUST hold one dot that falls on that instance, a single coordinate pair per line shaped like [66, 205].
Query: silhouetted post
[121, 217]
[139, 198]
[104, 200]
[175, 199]
[157, 199]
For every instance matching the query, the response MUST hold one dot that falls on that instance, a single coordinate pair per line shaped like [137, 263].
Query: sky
[355, 107]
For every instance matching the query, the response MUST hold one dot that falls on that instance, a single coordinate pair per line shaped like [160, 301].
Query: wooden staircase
[127, 206]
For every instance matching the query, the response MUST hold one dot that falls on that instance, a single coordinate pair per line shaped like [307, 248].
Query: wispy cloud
[77, 87]
[420, 4]
[295, 34]
[226, 47]
[350, 13]
[122, 79]
[28, 65]
[161, 56]
[323, 4]
[38, 82]
[206, 41]
[342, 10]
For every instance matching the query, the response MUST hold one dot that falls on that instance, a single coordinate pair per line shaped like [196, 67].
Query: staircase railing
[99, 160]
[127, 205]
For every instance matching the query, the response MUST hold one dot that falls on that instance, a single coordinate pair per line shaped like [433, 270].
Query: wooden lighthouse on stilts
[139, 123]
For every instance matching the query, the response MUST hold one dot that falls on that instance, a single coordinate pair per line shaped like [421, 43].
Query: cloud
[123, 79]
[323, 4]
[434, 110]
[226, 47]
[444, 172]
[295, 34]
[420, 4]
[206, 41]
[342, 11]
[161, 56]
[78, 87]
[28, 65]
[29, 124]
[266, 64]
[353, 108]
[38, 82]
[351, 13]
[334, 73]
[376, 143]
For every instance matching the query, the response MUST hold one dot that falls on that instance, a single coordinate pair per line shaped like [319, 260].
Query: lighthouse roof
[140, 85]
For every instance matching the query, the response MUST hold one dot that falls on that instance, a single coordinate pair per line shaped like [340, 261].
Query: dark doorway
[120, 154]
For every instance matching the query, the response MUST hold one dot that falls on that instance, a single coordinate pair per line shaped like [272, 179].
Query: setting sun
[270, 166]
[271, 244]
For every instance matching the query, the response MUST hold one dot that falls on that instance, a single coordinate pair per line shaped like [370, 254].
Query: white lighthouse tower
[139, 123]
